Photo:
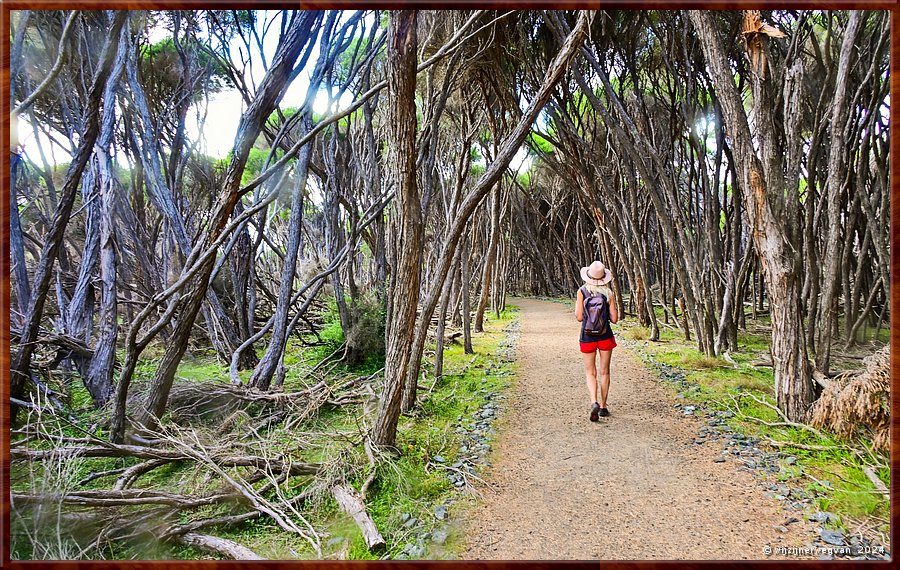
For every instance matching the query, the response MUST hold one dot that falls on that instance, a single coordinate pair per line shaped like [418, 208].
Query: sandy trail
[632, 486]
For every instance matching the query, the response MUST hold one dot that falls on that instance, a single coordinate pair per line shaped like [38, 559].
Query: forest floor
[632, 486]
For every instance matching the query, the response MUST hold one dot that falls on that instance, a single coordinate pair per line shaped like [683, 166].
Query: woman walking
[595, 309]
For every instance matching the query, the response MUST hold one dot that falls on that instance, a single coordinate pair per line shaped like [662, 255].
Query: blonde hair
[603, 289]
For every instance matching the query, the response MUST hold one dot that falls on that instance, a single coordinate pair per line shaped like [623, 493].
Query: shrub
[367, 333]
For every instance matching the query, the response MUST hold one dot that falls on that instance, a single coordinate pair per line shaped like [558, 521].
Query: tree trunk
[17, 245]
[491, 257]
[465, 279]
[407, 245]
[793, 381]
[242, 264]
[831, 263]
[442, 325]
[99, 380]
[262, 375]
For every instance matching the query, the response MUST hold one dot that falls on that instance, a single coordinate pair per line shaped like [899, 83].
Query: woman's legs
[590, 373]
[605, 356]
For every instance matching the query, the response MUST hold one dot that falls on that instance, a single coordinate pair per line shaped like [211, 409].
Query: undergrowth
[408, 485]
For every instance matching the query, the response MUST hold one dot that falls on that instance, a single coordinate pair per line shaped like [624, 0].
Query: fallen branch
[879, 484]
[105, 498]
[115, 450]
[225, 547]
[352, 504]
[32, 407]
[784, 423]
[130, 475]
[777, 443]
[100, 475]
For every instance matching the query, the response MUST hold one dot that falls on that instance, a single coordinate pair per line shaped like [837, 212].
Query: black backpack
[595, 317]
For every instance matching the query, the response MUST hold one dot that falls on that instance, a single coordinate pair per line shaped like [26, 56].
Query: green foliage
[539, 144]
[332, 334]
[200, 370]
[256, 160]
[366, 335]
[524, 178]
[274, 120]
[162, 61]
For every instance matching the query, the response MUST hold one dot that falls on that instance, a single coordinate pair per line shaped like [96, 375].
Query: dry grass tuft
[860, 400]
[637, 333]
[701, 362]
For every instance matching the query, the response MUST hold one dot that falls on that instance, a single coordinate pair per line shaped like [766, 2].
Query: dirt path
[632, 486]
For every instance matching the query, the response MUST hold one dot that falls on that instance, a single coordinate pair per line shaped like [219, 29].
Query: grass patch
[202, 370]
[414, 483]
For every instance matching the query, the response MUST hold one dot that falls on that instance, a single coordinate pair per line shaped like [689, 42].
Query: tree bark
[407, 245]
[831, 262]
[793, 379]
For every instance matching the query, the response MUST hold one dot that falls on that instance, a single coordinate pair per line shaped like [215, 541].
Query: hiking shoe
[604, 412]
[596, 410]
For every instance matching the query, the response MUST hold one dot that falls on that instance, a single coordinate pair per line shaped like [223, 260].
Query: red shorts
[606, 344]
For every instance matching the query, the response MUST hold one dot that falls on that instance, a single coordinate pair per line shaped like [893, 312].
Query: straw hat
[596, 274]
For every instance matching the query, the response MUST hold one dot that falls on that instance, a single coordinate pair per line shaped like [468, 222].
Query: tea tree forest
[206, 347]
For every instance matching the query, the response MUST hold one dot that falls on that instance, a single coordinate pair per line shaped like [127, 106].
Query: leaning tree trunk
[442, 325]
[407, 245]
[270, 92]
[99, 374]
[21, 363]
[793, 383]
[262, 375]
[17, 243]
